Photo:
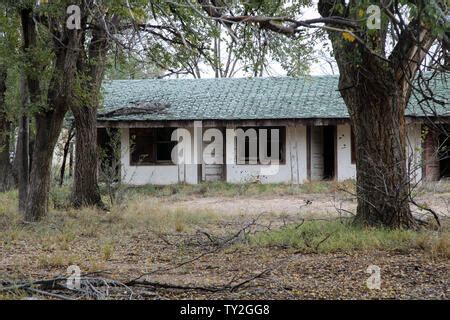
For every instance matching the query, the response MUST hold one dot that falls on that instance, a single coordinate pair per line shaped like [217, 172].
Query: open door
[329, 152]
[322, 152]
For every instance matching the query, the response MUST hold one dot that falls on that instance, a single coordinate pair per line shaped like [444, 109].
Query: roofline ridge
[222, 79]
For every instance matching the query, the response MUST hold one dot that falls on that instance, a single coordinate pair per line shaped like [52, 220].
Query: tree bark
[48, 126]
[376, 90]
[376, 104]
[22, 160]
[85, 187]
[7, 180]
[377, 109]
[49, 118]
[65, 155]
[92, 66]
[71, 160]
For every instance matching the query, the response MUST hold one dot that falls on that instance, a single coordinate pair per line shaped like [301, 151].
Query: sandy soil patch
[309, 205]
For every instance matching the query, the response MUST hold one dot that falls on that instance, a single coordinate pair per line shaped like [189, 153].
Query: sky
[321, 67]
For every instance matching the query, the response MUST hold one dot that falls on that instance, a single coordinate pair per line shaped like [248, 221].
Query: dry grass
[342, 236]
[223, 189]
[63, 231]
[439, 187]
[87, 237]
[141, 234]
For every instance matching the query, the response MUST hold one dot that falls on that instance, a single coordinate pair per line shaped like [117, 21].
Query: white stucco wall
[153, 174]
[293, 171]
[345, 168]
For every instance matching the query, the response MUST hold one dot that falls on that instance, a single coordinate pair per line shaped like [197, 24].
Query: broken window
[151, 146]
[254, 145]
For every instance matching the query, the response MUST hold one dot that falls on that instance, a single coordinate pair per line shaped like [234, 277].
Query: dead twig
[50, 294]
[227, 287]
[218, 245]
[94, 287]
[421, 207]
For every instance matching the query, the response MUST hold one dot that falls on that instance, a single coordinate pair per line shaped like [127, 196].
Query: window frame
[153, 143]
[282, 136]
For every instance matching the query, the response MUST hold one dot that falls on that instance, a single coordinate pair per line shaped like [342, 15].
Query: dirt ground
[192, 258]
[307, 205]
[320, 276]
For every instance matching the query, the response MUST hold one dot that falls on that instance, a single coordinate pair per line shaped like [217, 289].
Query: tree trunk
[49, 118]
[48, 127]
[85, 187]
[22, 160]
[376, 90]
[71, 160]
[7, 180]
[377, 109]
[65, 154]
[6, 171]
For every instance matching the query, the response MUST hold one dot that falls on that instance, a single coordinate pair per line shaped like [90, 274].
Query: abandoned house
[314, 131]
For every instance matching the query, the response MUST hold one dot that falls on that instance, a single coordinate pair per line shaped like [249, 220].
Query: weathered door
[215, 172]
[317, 163]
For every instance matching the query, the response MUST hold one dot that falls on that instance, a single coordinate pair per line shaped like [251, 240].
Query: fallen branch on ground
[228, 287]
[91, 287]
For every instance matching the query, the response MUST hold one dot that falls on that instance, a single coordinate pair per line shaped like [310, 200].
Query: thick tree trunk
[92, 65]
[85, 188]
[49, 118]
[376, 90]
[7, 180]
[377, 108]
[48, 127]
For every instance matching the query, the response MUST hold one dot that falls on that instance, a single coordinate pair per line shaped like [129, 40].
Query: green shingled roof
[231, 99]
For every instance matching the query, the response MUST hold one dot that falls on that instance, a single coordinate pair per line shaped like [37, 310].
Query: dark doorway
[329, 152]
[108, 142]
[444, 156]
